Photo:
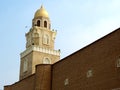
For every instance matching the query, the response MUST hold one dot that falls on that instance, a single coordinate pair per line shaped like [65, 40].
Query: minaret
[39, 44]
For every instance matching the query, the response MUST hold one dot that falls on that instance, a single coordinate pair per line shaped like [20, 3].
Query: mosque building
[94, 67]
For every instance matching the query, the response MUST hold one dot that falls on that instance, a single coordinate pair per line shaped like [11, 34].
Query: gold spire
[41, 13]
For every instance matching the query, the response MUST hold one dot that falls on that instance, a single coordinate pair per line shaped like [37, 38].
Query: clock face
[25, 65]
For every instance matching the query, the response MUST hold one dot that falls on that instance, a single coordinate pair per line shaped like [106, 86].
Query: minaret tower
[39, 44]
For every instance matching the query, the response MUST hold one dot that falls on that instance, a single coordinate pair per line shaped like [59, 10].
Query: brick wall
[8, 87]
[91, 68]
[41, 80]
[43, 77]
[27, 83]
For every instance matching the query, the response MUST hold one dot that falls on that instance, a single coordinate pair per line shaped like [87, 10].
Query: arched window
[25, 65]
[36, 35]
[46, 61]
[45, 24]
[89, 73]
[46, 39]
[118, 62]
[38, 23]
[35, 39]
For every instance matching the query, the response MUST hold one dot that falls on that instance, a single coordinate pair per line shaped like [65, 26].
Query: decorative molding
[116, 89]
[25, 65]
[118, 62]
[66, 81]
[48, 59]
[89, 73]
[39, 49]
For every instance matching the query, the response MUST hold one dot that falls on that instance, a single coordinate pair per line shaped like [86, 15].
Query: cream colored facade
[39, 44]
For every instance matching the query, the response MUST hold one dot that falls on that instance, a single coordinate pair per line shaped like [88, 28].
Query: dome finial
[41, 12]
[41, 6]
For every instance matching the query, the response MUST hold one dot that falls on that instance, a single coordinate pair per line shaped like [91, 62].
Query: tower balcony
[40, 49]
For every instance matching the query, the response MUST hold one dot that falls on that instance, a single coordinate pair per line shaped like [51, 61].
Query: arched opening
[118, 62]
[38, 23]
[46, 61]
[25, 65]
[46, 39]
[35, 35]
[45, 24]
[35, 39]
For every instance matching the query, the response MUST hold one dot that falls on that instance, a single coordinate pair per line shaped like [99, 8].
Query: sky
[78, 23]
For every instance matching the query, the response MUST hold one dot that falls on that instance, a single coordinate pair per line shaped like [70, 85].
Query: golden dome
[41, 13]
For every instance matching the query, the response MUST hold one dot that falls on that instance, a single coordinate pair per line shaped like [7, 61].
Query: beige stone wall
[39, 57]
[35, 58]
[39, 41]
[42, 19]
[35, 39]
[39, 44]
[91, 68]
[29, 70]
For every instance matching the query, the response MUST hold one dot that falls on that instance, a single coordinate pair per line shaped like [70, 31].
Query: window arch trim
[46, 60]
[38, 23]
[46, 39]
[45, 24]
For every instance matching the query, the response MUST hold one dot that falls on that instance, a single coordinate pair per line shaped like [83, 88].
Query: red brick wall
[41, 80]
[25, 84]
[100, 57]
[43, 77]
[8, 87]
